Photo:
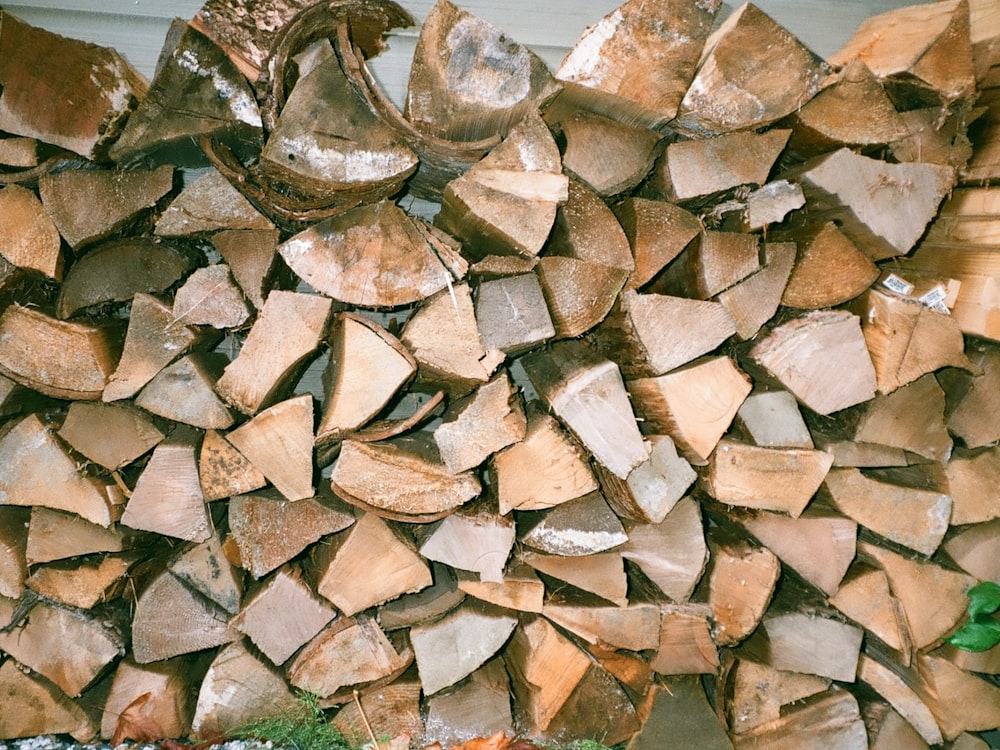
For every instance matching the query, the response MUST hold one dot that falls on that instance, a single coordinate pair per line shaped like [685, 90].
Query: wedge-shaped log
[512, 314]
[741, 580]
[973, 396]
[109, 434]
[392, 710]
[694, 405]
[829, 270]
[521, 589]
[375, 255]
[822, 358]
[887, 728]
[506, 203]
[584, 526]
[196, 91]
[686, 645]
[237, 688]
[285, 591]
[779, 479]
[883, 208]
[671, 554]
[268, 530]
[960, 701]
[205, 568]
[754, 301]
[602, 573]
[91, 89]
[404, 480]
[157, 695]
[654, 486]
[610, 156]
[714, 263]
[772, 419]
[184, 392]
[807, 643]
[349, 652]
[37, 470]
[479, 542]
[729, 93]
[256, 377]
[55, 357]
[30, 238]
[761, 693]
[885, 677]
[636, 62]
[83, 584]
[657, 232]
[426, 605]
[542, 470]
[651, 334]
[558, 685]
[479, 707]
[368, 366]
[910, 418]
[167, 497]
[56, 535]
[633, 628]
[210, 203]
[587, 393]
[830, 719]
[35, 706]
[974, 550]
[210, 297]
[586, 229]
[677, 708]
[224, 471]
[579, 293]
[865, 597]
[456, 89]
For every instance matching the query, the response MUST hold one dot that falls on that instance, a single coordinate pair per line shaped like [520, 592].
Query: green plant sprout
[981, 631]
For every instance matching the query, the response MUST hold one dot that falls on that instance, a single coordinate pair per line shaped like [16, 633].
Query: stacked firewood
[673, 413]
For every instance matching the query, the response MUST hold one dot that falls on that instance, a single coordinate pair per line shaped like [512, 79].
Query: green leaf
[984, 599]
[980, 634]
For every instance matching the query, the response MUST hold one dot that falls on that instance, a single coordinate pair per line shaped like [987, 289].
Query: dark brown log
[30, 238]
[610, 156]
[657, 231]
[210, 203]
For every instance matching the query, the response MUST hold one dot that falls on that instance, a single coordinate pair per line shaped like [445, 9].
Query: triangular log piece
[368, 366]
[347, 574]
[830, 719]
[635, 64]
[205, 569]
[88, 645]
[88, 205]
[973, 396]
[865, 597]
[476, 542]
[152, 341]
[477, 426]
[634, 628]
[817, 545]
[883, 208]
[167, 497]
[285, 591]
[677, 708]
[252, 257]
[184, 392]
[654, 486]
[741, 580]
[671, 554]
[716, 262]
[587, 229]
[29, 238]
[808, 644]
[907, 339]
[579, 293]
[754, 301]
[630, 670]
[109, 434]
[458, 361]
[822, 358]
[558, 686]
[651, 334]
[478, 707]
[279, 442]
[237, 689]
[910, 580]
[224, 471]
[521, 589]
[602, 573]
[694, 405]
[426, 605]
[587, 393]
[544, 469]
[456, 89]
[210, 203]
[36, 470]
[579, 527]
[402, 479]
[506, 203]
[512, 314]
[771, 419]
[56, 357]
[779, 479]
[923, 52]
[149, 698]
[886, 678]
[657, 232]
[888, 729]
[768, 204]
[256, 378]
[686, 645]
[82, 583]
[830, 269]
[20, 151]
[55, 535]
[210, 297]
[910, 418]
[974, 549]
[453, 647]
[269, 530]
[690, 170]
[196, 91]
[391, 710]
[33, 706]
[13, 546]
[349, 652]
[729, 94]
[611, 157]
[929, 140]
[91, 89]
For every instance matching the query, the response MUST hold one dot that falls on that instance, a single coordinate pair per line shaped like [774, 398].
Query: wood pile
[676, 416]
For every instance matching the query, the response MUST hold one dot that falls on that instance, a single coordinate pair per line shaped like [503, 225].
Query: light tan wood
[20, 151]
[205, 569]
[865, 597]
[831, 719]
[479, 707]
[741, 580]
[653, 488]
[224, 471]
[579, 292]
[30, 238]
[56, 535]
[183, 391]
[426, 605]
[772, 419]
[583, 526]
[768, 204]
[829, 270]
[153, 698]
[634, 628]
[883, 678]
[587, 229]
[887, 728]
[111, 435]
[716, 262]
[761, 693]
[512, 314]
[210, 204]
[610, 156]
[14, 524]
[521, 589]
[479, 542]
[974, 550]
[210, 297]
[602, 573]
[686, 645]
[657, 231]
[82, 584]
[971, 397]
[911, 418]
[807, 643]
[35, 706]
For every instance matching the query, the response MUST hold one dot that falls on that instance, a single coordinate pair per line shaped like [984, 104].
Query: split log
[831, 719]
[678, 708]
[716, 262]
[769, 204]
[753, 301]
[252, 257]
[610, 156]
[772, 419]
[13, 549]
[887, 728]
[657, 232]
[829, 270]
[864, 596]
[761, 693]
[210, 297]
[110, 435]
[184, 392]
[686, 645]
[974, 550]
[20, 151]
[520, 590]
[808, 644]
[970, 397]
[882, 675]
[512, 314]
[426, 605]
[35, 706]
[210, 204]
[56, 535]
[82, 584]
[602, 574]
[391, 710]
[587, 229]
[910, 418]
[579, 293]
[224, 471]
[634, 628]
[741, 580]
[30, 238]
[479, 707]
[479, 542]
[153, 699]
[584, 526]
[653, 487]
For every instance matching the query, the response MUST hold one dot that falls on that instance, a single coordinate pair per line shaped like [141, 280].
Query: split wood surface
[675, 415]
